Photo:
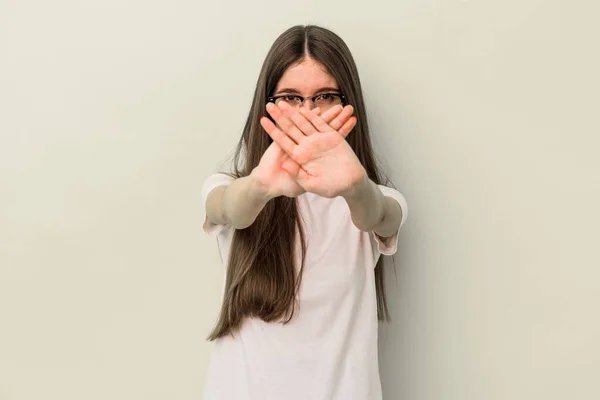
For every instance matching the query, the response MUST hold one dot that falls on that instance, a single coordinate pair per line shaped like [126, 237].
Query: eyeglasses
[323, 100]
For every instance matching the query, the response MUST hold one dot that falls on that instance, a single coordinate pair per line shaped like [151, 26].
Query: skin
[320, 160]
[270, 174]
[309, 153]
[239, 203]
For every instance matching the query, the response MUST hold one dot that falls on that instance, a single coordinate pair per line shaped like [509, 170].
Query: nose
[308, 104]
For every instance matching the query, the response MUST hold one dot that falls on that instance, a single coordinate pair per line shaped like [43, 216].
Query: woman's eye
[290, 99]
[325, 98]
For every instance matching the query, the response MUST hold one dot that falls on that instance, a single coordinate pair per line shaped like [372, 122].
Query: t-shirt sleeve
[210, 183]
[388, 246]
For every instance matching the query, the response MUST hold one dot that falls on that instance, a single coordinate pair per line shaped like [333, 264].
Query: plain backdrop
[112, 113]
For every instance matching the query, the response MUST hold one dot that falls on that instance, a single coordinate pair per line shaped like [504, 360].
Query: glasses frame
[273, 99]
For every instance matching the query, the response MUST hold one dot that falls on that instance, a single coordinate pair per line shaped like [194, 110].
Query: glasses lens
[328, 100]
[293, 101]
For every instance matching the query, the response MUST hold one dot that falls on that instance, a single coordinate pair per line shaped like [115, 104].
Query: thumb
[292, 168]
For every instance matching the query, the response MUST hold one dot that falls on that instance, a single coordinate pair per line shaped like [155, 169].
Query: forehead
[306, 77]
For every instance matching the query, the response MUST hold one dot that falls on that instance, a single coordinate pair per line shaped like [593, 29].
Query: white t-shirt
[328, 351]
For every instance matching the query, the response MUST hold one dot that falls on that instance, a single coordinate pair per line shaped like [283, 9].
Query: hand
[327, 164]
[269, 173]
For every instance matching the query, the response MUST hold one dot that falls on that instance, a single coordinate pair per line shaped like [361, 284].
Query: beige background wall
[113, 112]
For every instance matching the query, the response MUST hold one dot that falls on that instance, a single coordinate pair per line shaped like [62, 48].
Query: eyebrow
[295, 91]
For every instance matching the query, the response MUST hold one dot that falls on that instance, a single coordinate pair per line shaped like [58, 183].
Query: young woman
[302, 222]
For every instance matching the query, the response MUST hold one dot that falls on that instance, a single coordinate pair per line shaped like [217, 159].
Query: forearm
[242, 201]
[371, 210]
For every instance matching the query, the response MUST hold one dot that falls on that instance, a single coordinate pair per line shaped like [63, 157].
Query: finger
[285, 124]
[342, 118]
[318, 122]
[295, 171]
[291, 167]
[331, 113]
[317, 110]
[303, 124]
[278, 136]
[347, 127]
[300, 176]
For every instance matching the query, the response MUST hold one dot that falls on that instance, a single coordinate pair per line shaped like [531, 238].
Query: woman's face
[308, 78]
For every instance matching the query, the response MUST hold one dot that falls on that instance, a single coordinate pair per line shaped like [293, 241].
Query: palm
[328, 165]
[282, 174]
[272, 176]
[321, 161]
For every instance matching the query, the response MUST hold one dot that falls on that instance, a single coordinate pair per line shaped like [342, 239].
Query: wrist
[367, 205]
[258, 189]
[358, 189]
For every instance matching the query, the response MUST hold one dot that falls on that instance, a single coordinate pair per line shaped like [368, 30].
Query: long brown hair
[262, 280]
